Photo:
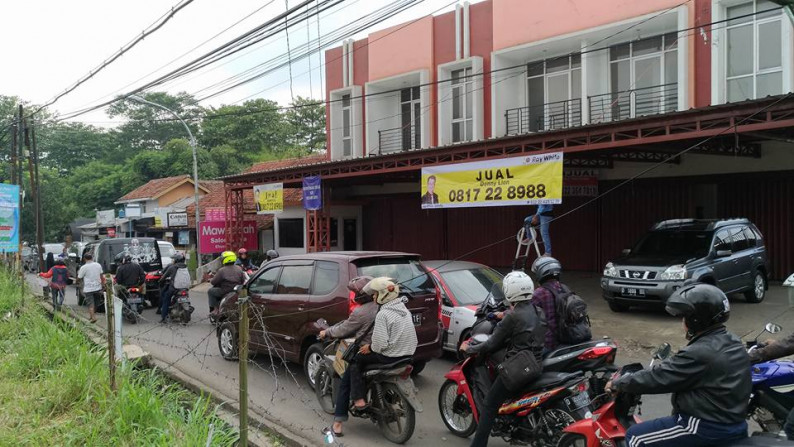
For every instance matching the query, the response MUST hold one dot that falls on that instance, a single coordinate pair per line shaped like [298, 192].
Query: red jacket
[58, 277]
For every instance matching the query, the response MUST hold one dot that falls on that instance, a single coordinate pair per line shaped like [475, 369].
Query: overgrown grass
[54, 390]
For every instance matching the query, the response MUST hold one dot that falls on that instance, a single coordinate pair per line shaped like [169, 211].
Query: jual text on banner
[525, 180]
[269, 198]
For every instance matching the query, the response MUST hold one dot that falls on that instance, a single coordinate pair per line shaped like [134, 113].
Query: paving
[279, 393]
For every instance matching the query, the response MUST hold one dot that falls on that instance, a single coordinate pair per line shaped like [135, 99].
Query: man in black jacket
[129, 274]
[709, 378]
[167, 285]
[775, 350]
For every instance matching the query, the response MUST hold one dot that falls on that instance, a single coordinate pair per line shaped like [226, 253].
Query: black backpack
[573, 323]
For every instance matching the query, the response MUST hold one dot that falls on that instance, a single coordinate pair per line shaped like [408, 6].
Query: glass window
[740, 46]
[769, 48]
[471, 286]
[326, 277]
[769, 84]
[621, 51]
[722, 241]
[295, 280]
[739, 11]
[740, 89]
[686, 244]
[405, 271]
[290, 233]
[345, 100]
[750, 236]
[462, 105]
[739, 239]
[266, 282]
[766, 9]
[647, 46]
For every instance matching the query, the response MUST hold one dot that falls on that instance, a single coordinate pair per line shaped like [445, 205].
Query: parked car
[290, 293]
[727, 253]
[167, 252]
[464, 286]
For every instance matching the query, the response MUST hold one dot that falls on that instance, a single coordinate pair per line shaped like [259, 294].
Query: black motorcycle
[180, 309]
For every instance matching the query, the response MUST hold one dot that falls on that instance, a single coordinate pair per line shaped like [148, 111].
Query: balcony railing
[632, 103]
[399, 139]
[554, 115]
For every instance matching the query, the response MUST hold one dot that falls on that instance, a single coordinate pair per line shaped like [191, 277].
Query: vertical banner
[9, 218]
[269, 198]
[525, 180]
[312, 193]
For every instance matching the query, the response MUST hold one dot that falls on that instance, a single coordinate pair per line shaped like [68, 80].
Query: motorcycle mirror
[321, 322]
[662, 352]
[773, 328]
[238, 288]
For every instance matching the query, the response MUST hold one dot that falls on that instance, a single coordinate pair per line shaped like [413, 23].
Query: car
[464, 286]
[728, 253]
[288, 294]
[167, 252]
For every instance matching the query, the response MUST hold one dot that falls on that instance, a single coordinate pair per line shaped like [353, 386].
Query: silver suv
[729, 254]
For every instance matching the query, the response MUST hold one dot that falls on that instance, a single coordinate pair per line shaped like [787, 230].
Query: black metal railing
[399, 139]
[632, 103]
[553, 115]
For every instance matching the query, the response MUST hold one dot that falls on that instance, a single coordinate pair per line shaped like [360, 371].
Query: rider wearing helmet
[709, 378]
[129, 274]
[271, 255]
[521, 329]
[358, 324]
[225, 280]
[547, 270]
[167, 284]
[243, 260]
[775, 349]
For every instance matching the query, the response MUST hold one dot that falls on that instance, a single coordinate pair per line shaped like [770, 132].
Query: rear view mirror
[723, 253]
[662, 352]
[238, 288]
[626, 251]
[773, 328]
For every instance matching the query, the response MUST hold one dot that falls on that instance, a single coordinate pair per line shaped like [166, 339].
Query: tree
[68, 146]
[306, 124]
[253, 128]
[150, 127]
[176, 158]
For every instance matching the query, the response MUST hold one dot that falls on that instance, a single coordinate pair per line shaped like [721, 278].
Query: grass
[54, 390]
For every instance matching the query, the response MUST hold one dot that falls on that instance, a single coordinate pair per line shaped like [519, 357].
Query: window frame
[544, 74]
[347, 130]
[309, 264]
[275, 281]
[463, 91]
[317, 264]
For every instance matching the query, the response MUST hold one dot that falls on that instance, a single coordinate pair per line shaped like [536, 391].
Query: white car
[167, 252]
[464, 286]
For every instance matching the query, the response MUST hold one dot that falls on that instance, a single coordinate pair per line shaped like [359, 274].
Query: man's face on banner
[431, 185]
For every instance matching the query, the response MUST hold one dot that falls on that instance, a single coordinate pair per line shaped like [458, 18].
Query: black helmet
[545, 267]
[356, 285]
[702, 306]
[126, 259]
[178, 257]
[272, 254]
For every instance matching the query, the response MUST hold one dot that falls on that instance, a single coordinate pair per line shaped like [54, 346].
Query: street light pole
[195, 170]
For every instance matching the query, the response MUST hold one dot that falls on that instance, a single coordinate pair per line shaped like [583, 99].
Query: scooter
[180, 309]
[391, 394]
[608, 424]
[773, 388]
[133, 305]
[535, 417]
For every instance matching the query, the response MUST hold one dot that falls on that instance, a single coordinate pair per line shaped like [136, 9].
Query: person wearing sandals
[358, 324]
[93, 280]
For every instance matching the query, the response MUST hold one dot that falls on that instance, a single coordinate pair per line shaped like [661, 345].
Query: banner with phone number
[525, 180]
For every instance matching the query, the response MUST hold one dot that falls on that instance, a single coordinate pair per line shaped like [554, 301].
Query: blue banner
[312, 193]
[9, 218]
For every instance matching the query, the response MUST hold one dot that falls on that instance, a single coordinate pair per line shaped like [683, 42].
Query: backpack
[181, 279]
[573, 323]
[59, 276]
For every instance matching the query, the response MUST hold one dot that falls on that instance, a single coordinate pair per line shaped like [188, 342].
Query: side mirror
[446, 301]
[626, 251]
[72, 256]
[238, 288]
[723, 253]
[773, 328]
[662, 352]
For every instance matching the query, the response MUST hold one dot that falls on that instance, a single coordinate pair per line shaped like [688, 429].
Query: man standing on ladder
[544, 216]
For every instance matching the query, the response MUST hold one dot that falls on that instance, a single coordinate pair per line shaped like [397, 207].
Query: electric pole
[34, 195]
[39, 215]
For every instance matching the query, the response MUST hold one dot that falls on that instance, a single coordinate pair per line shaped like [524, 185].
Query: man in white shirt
[92, 280]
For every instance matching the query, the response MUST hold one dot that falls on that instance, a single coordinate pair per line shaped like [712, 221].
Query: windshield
[53, 248]
[408, 273]
[471, 286]
[141, 252]
[167, 250]
[687, 244]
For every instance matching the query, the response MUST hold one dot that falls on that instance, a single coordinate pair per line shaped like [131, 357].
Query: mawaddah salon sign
[525, 180]
[213, 237]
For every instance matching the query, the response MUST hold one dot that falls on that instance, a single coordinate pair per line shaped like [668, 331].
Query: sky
[50, 44]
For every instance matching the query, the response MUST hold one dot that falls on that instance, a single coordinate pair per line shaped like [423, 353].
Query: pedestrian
[543, 216]
[58, 275]
[93, 280]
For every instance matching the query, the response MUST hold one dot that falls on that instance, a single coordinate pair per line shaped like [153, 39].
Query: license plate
[182, 299]
[417, 319]
[577, 401]
[135, 300]
[632, 291]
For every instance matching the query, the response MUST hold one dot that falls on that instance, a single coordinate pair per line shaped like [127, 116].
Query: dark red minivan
[290, 293]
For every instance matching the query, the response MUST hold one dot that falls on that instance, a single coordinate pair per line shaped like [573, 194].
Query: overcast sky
[49, 44]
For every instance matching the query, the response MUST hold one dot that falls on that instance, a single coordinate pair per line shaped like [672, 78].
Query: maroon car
[290, 293]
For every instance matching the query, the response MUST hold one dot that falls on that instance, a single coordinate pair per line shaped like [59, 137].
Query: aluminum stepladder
[522, 255]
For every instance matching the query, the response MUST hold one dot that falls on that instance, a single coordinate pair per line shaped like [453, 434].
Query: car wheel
[617, 307]
[312, 362]
[227, 341]
[757, 292]
[418, 368]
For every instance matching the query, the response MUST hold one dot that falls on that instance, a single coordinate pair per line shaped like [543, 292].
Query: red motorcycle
[536, 417]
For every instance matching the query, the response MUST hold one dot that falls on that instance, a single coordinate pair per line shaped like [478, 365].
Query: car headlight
[675, 272]
[610, 270]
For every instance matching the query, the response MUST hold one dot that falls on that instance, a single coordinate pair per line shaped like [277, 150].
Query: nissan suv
[728, 253]
[288, 294]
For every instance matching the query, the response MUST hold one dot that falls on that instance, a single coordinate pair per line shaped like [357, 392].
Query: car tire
[312, 361]
[418, 368]
[757, 290]
[227, 341]
[617, 307]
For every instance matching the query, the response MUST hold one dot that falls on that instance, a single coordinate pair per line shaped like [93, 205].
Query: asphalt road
[278, 389]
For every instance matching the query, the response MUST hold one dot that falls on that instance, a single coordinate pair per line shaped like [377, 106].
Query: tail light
[352, 304]
[595, 352]
[580, 387]
[438, 301]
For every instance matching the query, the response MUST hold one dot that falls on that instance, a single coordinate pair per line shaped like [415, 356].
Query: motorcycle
[180, 308]
[773, 388]
[608, 424]
[133, 305]
[535, 417]
[391, 394]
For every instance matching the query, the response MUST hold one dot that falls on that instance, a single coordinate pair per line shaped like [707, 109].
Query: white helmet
[517, 286]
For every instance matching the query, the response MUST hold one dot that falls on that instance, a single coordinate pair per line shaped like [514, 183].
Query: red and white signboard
[213, 237]
[579, 182]
[215, 215]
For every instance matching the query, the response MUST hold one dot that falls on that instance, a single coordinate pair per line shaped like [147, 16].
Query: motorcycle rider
[167, 284]
[129, 274]
[771, 351]
[709, 378]
[224, 281]
[547, 270]
[358, 324]
[244, 261]
[521, 329]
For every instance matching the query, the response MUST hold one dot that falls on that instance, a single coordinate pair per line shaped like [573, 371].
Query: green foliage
[254, 127]
[67, 146]
[306, 123]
